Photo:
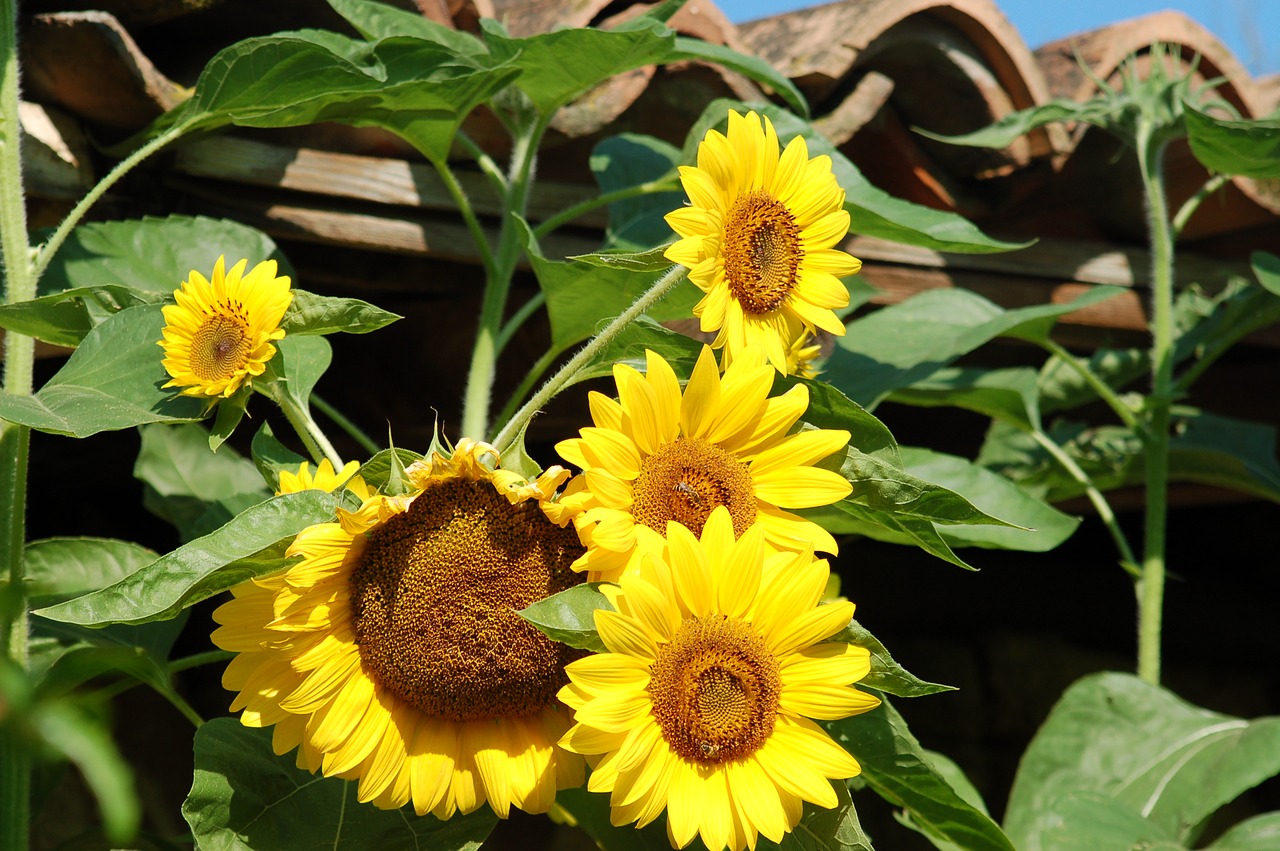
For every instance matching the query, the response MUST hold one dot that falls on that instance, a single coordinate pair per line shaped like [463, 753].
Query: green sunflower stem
[311, 435]
[15, 440]
[564, 376]
[1150, 589]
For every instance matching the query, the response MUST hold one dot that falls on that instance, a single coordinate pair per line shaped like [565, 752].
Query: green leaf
[583, 296]
[83, 662]
[59, 568]
[1260, 833]
[631, 159]
[227, 416]
[320, 314]
[82, 739]
[271, 456]
[1209, 325]
[569, 616]
[190, 486]
[247, 546]
[1249, 148]
[64, 318]
[418, 89]
[376, 472]
[297, 366]
[558, 66]
[379, 20]
[112, 381]
[749, 66]
[245, 798]
[886, 674]
[1267, 268]
[1006, 130]
[629, 347]
[1043, 526]
[1009, 395]
[154, 255]
[873, 211]
[1087, 821]
[895, 766]
[635, 261]
[1167, 761]
[885, 525]
[821, 829]
[896, 346]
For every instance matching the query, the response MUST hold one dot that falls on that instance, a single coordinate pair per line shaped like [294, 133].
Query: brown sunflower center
[762, 252]
[715, 690]
[435, 595]
[220, 346]
[688, 479]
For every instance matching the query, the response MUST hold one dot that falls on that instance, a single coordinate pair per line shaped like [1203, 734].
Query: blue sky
[1249, 28]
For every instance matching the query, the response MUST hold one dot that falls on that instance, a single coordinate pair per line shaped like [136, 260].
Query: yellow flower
[658, 455]
[324, 479]
[392, 653]
[759, 239]
[218, 335]
[702, 706]
[801, 353]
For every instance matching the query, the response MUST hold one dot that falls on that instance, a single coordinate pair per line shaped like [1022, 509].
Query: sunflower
[324, 478]
[218, 335]
[760, 237]
[702, 706]
[392, 652]
[657, 455]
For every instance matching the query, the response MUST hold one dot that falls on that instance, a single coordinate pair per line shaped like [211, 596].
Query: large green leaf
[378, 20]
[1044, 527]
[851, 518]
[1208, 325]
[112, 381]
[1006, 130]
[298, 365]
[418, 89]
[873, 211]
[248, 546]
[907, 342]
[1167, 761]
[190, 486]
[749, 66]
[1267, 268]
[320, 314]
[829, 408]
[558, 66]
[1260, 833]
[1009, 395]
[582, 295]
[1087, 821]
[64, 318]
[154, 255]
[630, 345]
[245, 798]
[895, 766]
[821, 829]
[1060, 387]
[627, 160]
[1249, 148]
[59, 568]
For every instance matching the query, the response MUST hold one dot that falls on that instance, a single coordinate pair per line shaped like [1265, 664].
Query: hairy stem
[343, 422]
[664, 184]
[15, 440]
[1150, 588]
[1095, 382]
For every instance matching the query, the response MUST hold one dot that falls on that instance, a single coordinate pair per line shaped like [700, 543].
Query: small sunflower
[759, 239]
[702, 706]
[324, 478]
[218, 335]
[393, 654]
[658, 455]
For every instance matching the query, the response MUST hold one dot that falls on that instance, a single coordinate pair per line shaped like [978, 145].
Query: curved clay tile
[875, 69]
[1240, 205]
[88, 64]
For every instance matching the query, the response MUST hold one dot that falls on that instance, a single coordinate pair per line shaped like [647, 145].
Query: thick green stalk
[312, 436]
[484, 355]
[1150, 588]
[19, 359]
[565, 374]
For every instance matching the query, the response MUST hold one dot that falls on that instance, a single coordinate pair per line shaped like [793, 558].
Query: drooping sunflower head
[393, 654]
[716, 663]
[759, 239]
[659, 454]
[218, 334]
